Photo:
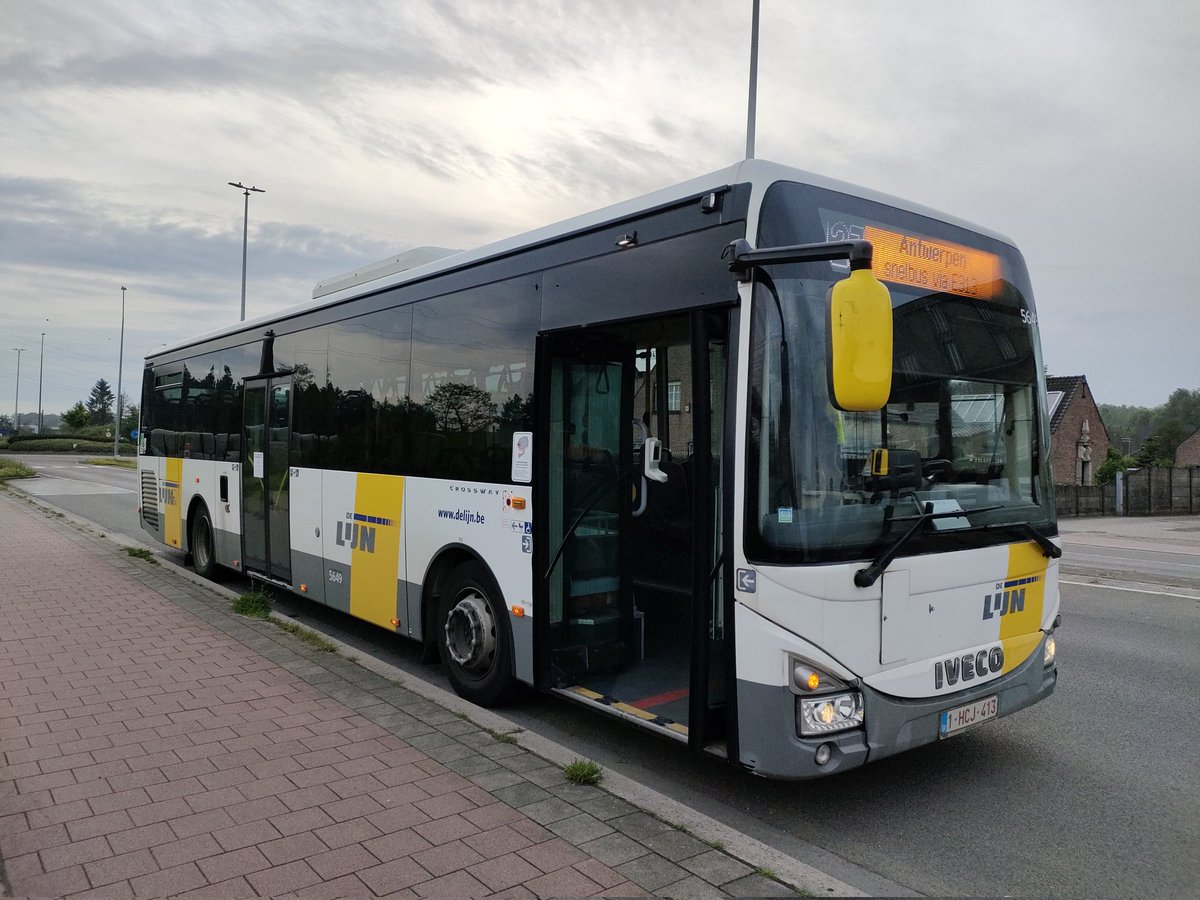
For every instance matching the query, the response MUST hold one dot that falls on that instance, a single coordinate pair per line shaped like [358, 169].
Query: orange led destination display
[933, 265]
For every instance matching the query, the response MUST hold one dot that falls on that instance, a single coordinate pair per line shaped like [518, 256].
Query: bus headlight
[830, 712]
[1051, 651]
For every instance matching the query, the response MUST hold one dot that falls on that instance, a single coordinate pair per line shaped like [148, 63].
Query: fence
[1146, 492]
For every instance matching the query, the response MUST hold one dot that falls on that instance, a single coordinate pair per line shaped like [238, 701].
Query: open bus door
[629, 565]
[266, 499]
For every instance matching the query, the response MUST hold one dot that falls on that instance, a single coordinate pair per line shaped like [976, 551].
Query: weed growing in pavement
[256, 605]
[504, 737]
[716, 845]
[766, 873]
[311, 638]
[143, 554]
[583, 771]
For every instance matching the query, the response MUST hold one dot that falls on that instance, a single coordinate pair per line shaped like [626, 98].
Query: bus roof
[423, 262]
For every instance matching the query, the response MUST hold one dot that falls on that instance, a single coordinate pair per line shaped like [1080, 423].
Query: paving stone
[579, 829]
[614, 849]
[521, 794]
[716, 867]
[675, 845]
[692, 887]
[756, 886]
[652, 871]
[606, 807]
[552, 810]
[639, 825]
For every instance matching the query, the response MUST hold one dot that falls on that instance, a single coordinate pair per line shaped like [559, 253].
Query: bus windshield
[963, 427]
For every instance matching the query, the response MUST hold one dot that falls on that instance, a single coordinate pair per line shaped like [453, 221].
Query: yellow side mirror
[860, 342]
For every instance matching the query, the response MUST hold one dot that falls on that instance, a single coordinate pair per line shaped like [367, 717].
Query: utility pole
[753, 104]
[246, 229]
[120, 365]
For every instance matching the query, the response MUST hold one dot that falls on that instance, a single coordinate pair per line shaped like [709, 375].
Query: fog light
[1051, 650]
[832, 712]
[823, 753]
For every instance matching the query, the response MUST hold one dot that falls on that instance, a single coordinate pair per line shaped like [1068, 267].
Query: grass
[311, 638]
[110, 461]
[143, 554]
[256, 605]
[10, 468]
[766, 873]
[583, 771]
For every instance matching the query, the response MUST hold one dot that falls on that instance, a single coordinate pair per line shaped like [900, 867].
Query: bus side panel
[170, 509]
[150, 470]
[198, 479]
[361, 532]
[227, 515]
[496, 522]
[304, 521]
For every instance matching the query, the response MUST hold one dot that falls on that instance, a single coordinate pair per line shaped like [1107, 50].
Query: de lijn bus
[759, 462]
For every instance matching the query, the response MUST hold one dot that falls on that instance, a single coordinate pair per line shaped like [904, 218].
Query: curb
[791, 872]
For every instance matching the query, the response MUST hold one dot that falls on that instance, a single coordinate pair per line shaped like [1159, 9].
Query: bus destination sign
[933, 264]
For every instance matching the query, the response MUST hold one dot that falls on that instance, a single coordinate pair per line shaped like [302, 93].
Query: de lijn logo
[1009, 598]
[358, 531]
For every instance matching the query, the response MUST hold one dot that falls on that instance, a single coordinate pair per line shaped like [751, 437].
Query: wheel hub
[471, 632]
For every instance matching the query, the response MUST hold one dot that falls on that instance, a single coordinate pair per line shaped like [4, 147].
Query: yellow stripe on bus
[1020, 628]
[172, 508]
[375, 561]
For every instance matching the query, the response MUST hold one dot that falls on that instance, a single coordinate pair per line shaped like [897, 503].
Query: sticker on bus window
[258, 465]
[785, 515]
[522, 457]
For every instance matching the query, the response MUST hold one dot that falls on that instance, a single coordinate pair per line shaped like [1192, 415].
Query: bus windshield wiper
[868, 576]
[1049, 548]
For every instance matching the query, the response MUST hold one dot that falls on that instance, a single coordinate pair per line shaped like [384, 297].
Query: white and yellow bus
[759, 462]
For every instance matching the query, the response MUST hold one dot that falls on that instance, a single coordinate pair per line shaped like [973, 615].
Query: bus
[759, 462]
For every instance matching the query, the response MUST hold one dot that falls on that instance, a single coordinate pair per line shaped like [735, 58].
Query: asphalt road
[1094, 792]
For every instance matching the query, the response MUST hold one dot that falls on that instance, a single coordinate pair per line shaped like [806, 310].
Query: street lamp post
[17, 399]
[245, 229]
[120, 365]
[41, 360]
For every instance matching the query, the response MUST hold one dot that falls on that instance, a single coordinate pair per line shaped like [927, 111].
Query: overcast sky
[1072, 127]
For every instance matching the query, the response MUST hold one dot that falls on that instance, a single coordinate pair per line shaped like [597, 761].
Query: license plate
[955, 720]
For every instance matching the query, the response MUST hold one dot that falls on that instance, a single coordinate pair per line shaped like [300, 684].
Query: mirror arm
[742, 257]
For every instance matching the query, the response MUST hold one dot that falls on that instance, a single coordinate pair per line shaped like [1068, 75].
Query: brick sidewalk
[152, 743]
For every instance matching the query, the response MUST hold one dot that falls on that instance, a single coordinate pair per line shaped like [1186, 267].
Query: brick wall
[1064, 443]
[1188, 453]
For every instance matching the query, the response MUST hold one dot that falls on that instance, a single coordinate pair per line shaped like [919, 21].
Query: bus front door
[266, 506]
[633, 617]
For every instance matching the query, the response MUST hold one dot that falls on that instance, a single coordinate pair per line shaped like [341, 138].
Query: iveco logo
[968, 667]
[1009, 597]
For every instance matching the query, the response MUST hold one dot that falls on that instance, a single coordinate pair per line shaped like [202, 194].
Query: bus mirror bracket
[859, 325]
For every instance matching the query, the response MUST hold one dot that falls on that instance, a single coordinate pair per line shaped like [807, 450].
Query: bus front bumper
[770, 744]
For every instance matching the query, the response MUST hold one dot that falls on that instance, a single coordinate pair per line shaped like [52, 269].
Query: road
[1094, 792]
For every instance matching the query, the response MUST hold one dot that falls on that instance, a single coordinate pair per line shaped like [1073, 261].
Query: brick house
[1078, 439]
[1188, 453]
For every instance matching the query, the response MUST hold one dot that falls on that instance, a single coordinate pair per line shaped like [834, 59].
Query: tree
[77, 416]
[99, 403]
[461, 407]
[1154, 453]
[5, 424]
[129, 419]
[1114, 463]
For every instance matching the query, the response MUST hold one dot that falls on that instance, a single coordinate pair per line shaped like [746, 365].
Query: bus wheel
[201, 544]
[473, 636]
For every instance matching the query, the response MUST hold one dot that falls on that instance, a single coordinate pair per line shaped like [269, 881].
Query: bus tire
[472, 636]
[201, 544]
